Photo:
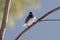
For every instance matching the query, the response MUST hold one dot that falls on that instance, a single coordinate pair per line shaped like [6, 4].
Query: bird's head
[30, 12]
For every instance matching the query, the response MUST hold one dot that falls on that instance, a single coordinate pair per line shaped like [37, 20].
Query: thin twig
[37, 21]
[51, 20]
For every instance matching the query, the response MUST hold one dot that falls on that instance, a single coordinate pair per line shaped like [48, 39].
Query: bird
[29, 19]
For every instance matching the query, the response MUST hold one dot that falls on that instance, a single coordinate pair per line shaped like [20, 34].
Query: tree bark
[37, 21]
[5, 15]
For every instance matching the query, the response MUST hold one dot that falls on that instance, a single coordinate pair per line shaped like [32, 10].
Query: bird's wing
[27, 19]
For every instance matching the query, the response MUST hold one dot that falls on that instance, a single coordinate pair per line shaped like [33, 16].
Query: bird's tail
[25, 24]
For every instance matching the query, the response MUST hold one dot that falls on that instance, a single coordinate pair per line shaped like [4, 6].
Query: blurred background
[19, 9]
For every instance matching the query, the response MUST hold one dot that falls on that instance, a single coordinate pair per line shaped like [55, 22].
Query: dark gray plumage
[29, 17]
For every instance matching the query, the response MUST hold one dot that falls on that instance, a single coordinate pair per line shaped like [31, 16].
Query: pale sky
[41, 31]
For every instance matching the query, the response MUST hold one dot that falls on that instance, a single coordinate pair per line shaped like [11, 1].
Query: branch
[37, 21]
[5, 15]
[51, 20]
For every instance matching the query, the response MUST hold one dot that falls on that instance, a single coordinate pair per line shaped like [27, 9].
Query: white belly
[30, 22]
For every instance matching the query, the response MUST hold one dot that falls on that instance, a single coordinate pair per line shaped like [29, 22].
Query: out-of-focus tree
[17, 9]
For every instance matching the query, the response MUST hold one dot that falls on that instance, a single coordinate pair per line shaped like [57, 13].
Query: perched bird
[29, 19]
